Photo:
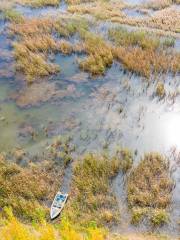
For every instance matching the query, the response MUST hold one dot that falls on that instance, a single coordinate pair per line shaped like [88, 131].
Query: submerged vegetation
[149, 189]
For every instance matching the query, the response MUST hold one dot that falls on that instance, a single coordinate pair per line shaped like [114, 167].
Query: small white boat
[58, 204]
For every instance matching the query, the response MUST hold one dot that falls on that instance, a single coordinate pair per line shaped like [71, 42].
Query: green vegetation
[122, 37]
[39, 3]
[149, 189]
[13, 16]
[159, 217]
[68, 27]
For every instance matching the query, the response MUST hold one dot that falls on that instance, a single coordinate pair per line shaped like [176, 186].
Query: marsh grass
[13, 16]
[39, 3]
[101, 10]
[144, 54]
[27, 62]
[68, 27]
[92, 198]
[20, 191]
[160, 90]
[99, 54]
[65, 47]
[150, 188]
[157, 5]
[39, 37]
[122, 37]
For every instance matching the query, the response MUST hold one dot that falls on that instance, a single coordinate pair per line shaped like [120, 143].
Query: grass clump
[138, 214]
[36, 41]
[125, 158]
[27, 62]
[68, 27]
[147, 62]
[149, 184]
[26, 189]
[159, 217]
[65, 47]
[13, 16]
[39, 3]
[157, 5]
[160, 90]
[122, 37]
[92, 199]
[99, 55]
[142, 53]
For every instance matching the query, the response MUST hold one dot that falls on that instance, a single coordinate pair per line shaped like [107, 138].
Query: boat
[58, 204]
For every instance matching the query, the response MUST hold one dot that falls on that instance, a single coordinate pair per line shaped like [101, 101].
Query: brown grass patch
[150, 187]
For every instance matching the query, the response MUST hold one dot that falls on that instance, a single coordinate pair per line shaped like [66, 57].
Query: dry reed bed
[150, 189]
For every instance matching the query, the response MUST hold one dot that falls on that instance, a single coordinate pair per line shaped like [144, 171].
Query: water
[118, 108]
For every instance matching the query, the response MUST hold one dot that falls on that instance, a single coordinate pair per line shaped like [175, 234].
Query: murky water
[118, 108]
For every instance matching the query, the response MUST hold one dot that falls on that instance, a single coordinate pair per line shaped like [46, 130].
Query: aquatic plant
[68, 26]
[92, 199]
[157, 5]
[99, 54]
[126, 159]
[101, 10]
[147, 62]
[39, 3]
[13, 16]
[160, 90]
[20, 191]
[36, 40]
[159, 217]
[65, 47]
[150, 186]
[122, 37]
[27, 62]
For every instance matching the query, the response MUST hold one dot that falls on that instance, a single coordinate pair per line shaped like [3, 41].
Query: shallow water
[118, 108]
